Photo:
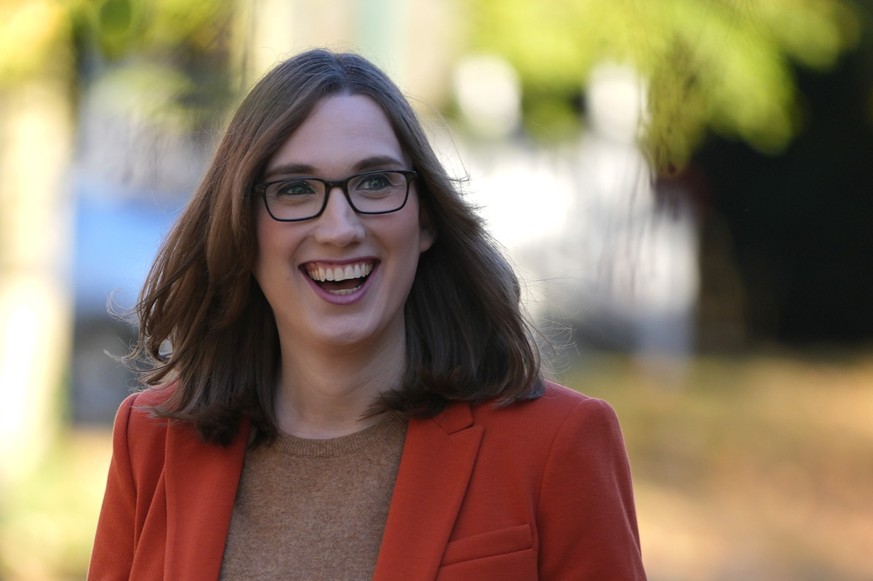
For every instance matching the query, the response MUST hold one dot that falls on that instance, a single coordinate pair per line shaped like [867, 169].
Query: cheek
[267, 244]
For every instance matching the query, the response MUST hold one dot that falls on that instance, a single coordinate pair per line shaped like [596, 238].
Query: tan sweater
[314, 509]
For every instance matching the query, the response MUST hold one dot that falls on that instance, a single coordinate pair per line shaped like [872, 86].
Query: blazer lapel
[201, 483]
[435, 468]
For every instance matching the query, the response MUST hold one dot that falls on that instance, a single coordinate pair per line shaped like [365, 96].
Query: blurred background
[685, 185]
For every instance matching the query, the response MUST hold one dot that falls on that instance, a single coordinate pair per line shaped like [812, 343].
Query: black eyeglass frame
[343, 185]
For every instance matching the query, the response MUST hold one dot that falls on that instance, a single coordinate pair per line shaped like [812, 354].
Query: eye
[293, 188]
[378, 185]
[374, 182]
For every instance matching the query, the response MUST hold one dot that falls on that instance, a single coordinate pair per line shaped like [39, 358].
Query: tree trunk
[35, 308]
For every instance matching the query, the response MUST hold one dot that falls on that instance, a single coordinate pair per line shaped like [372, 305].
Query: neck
[327, 393]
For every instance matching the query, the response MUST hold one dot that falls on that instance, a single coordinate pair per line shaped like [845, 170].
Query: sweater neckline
[391, 425]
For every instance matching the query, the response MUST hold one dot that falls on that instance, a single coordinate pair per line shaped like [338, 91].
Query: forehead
[341, 133]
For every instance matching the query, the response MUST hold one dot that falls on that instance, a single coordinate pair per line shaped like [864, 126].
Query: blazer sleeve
[112, 555]
[587, 520]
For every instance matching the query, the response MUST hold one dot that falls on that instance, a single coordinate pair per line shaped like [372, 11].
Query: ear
[427, 229]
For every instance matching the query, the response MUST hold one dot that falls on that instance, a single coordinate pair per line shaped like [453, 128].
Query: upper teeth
[323, 273]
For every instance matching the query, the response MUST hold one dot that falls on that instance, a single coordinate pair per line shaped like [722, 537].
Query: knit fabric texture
[314, 509]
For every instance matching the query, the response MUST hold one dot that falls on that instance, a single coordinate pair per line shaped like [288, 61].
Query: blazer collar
[435, 468]
[201, 482]
[437, 462]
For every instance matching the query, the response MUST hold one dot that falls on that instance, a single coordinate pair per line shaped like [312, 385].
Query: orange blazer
[535, 490]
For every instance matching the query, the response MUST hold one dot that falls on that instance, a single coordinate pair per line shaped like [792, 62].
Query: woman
[341, 384]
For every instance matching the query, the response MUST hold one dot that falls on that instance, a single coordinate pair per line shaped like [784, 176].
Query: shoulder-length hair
[207, 330]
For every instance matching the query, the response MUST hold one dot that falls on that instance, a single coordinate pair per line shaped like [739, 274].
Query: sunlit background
[686, 186]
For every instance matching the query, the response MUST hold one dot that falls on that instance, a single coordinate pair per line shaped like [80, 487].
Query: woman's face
[372, 258]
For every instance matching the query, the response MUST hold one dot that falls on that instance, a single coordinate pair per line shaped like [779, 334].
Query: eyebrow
[375, 162]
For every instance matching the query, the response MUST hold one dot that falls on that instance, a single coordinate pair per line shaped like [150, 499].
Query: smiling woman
[350, 389]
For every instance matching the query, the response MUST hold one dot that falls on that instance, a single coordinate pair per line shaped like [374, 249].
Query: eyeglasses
[304, 198]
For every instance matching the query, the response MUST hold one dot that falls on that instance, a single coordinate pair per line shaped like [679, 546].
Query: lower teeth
[344, 291]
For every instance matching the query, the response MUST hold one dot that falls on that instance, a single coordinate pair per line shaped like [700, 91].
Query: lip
[346, 299]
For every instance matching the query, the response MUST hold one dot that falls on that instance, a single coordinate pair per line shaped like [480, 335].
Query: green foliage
[115, 23]
[722, 65]
[163, 60]
[175, 52]
[34, 32]
[120, 28]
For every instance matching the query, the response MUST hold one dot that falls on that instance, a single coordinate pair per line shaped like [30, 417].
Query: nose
[339, 224]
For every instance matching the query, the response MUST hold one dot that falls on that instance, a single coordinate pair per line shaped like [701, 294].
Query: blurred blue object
[116, 239]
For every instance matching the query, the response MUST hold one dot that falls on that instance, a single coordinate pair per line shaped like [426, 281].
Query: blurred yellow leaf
[722, 65]
[30, 32]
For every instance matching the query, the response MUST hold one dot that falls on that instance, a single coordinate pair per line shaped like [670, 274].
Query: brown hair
[466, 337]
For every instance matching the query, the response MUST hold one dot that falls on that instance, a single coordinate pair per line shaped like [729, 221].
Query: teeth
[322, 273]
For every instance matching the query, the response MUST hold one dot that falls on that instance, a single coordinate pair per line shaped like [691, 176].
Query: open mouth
[339, 279]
